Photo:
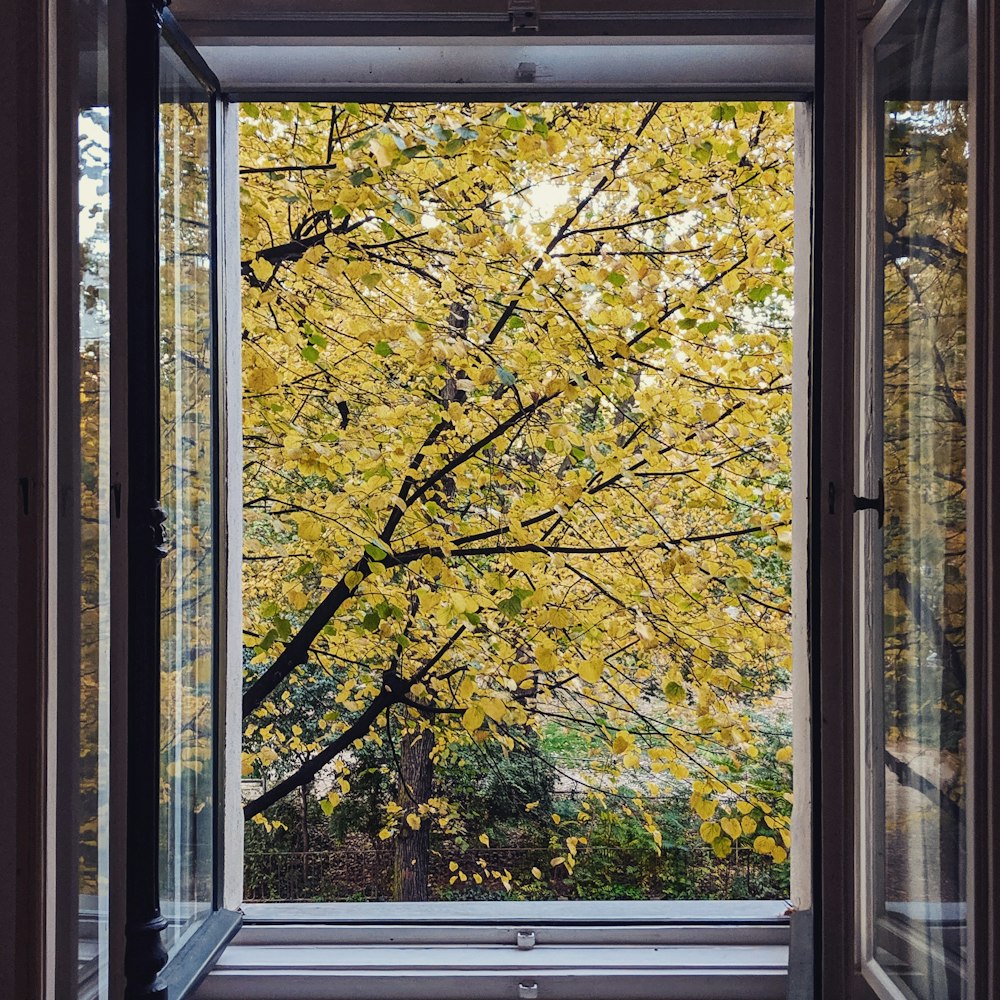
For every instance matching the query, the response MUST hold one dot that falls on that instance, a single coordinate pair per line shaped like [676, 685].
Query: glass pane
[187, 626]
[95, 508]
[920, 716]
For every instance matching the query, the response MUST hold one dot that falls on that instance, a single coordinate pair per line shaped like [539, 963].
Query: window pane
[95, 507]
[919, 712]
[187, 623]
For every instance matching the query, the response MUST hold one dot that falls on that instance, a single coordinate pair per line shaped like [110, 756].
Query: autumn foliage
[516, 444]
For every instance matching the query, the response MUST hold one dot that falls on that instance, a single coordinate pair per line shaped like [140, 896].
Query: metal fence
[365, 873]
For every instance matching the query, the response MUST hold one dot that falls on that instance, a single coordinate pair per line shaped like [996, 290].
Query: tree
[516, 435]
[923, 559]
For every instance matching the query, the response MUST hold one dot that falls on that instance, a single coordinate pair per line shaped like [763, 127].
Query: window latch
[527, 991]
[523, 15]
[157, 517]
[876, 503]
[525, 940]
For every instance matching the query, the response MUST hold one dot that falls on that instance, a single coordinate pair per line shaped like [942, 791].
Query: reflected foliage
[187, 399]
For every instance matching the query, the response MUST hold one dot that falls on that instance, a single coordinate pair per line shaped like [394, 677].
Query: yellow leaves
[260, 379]
[413, 821]
[262, 269]
[784, 755]
[364, 345]
[296, 598]
[732, 827]
[705, 808]
[709, 831]
[536, 872]
[270, 825]
[494, 708]
[329, 803]
[763, 845]
[545, 655]
[472, 718]
[711, 412]
[591, 669]
[722, 847]
[484, 839]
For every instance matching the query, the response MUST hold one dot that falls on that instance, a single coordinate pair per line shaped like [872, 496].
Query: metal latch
[527, 991]
[525, 940]
[875, 503]
[523, 15]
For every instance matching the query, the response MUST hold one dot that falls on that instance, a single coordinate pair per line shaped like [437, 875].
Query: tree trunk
[409, 874]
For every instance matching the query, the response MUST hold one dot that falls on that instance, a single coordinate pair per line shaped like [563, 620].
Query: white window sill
[698, 950]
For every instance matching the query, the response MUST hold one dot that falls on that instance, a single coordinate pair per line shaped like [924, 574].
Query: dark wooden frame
[24, 62]
[148, 973]
[835, 819]
[984, 626]
[831, 538]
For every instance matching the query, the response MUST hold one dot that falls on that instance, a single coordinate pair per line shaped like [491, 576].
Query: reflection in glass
[187, 622]
[94, 204]
[920, 703]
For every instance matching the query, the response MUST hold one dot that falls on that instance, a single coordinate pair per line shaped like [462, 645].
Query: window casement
[155, 352]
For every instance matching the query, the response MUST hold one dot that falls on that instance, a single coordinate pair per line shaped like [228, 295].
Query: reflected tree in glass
[187, 624]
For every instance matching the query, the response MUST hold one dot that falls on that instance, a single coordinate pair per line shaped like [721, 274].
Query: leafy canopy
[516, 442]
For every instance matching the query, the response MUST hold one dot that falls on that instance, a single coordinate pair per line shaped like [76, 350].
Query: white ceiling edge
[399, 68]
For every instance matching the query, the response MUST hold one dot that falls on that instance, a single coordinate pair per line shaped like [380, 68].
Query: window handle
[157, 517]
[876, 503]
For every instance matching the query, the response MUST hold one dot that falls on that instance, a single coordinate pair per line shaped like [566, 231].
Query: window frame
[838, 304]
[719, 928]
[29, 64]
[906, 941]
[149, 970]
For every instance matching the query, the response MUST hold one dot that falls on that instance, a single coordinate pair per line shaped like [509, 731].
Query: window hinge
[876, 503]
[523, 15]
[525, 940]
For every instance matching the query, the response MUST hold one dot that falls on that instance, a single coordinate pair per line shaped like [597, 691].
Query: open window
[152, 843]
[913, 577]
